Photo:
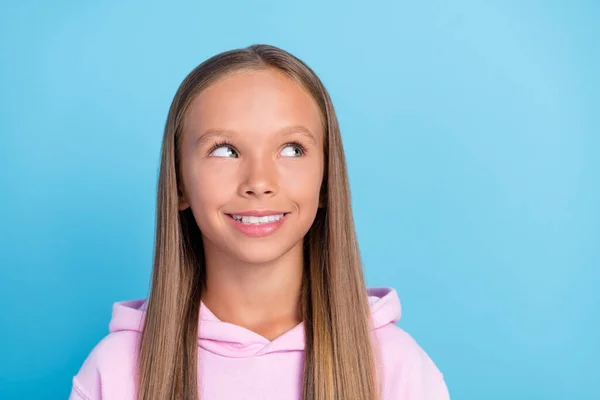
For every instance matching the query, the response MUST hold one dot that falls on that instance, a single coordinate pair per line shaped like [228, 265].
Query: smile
[254, 220]
[258, 223]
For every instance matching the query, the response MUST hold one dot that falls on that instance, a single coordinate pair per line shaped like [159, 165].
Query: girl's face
[253, 147]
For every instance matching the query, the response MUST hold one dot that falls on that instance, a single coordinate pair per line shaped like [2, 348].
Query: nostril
[252, 192]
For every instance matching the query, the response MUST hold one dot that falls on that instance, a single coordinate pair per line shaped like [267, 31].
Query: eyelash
[228, 144]
[298, 145]
[221, 144]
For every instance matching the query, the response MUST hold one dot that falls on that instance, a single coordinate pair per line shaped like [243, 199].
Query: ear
[183, 202]
[183, 205]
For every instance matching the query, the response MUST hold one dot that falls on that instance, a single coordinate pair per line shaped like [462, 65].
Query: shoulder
[407, 369]
[110, 366]
[399, 348]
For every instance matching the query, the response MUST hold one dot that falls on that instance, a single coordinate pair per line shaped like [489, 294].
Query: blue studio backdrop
[472, 134]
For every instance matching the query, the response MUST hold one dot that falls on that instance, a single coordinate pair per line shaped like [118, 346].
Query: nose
[260, 178]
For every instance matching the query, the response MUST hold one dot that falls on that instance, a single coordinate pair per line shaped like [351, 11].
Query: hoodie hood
[231, 340]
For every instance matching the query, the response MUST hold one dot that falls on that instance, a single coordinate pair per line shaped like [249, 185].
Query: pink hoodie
[240, 364]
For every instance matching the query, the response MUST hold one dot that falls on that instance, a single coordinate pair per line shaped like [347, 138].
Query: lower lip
[258, 229]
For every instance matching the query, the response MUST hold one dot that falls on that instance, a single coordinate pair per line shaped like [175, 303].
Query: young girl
[257, 287]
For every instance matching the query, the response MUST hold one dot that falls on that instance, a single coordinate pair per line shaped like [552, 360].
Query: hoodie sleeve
[86, 384]
[425, 381]
[109, 369]
[408, 371]
[78, 392]
[440, 392]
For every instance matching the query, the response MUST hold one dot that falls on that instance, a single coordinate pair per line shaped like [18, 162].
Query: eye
[223, 150]
[293, 150]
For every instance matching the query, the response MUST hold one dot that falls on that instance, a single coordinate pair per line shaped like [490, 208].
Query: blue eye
[293, 150]
[223, 150]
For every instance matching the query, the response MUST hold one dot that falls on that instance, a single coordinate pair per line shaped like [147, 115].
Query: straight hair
[339, 357]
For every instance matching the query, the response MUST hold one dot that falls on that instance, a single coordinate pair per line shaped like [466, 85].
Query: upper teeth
[257, 220]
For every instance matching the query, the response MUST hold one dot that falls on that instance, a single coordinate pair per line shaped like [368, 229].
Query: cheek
[212, 185]
[303, 182]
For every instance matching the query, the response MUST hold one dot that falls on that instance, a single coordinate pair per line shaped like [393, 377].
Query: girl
[257, 287]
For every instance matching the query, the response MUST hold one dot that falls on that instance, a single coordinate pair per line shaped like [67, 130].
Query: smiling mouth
[257, 220]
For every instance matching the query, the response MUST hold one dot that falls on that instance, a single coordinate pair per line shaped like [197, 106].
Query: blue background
[471, 131]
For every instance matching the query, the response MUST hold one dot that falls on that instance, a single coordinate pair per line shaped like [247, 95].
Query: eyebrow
[287, 131]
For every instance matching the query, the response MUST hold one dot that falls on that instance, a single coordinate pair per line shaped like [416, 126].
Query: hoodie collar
[231, 340]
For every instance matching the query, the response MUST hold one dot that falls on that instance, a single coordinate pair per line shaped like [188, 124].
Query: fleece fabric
[236, 363]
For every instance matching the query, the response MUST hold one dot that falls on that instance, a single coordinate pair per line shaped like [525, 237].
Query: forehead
[260, 101]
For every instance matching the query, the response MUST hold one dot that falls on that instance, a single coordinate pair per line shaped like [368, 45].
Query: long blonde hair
[339, 358]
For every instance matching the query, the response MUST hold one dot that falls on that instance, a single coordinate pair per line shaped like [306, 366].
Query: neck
[262, 297]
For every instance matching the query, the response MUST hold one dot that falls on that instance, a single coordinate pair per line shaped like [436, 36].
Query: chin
[262, 253]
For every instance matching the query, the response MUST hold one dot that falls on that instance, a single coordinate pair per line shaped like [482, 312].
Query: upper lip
[257, 213]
